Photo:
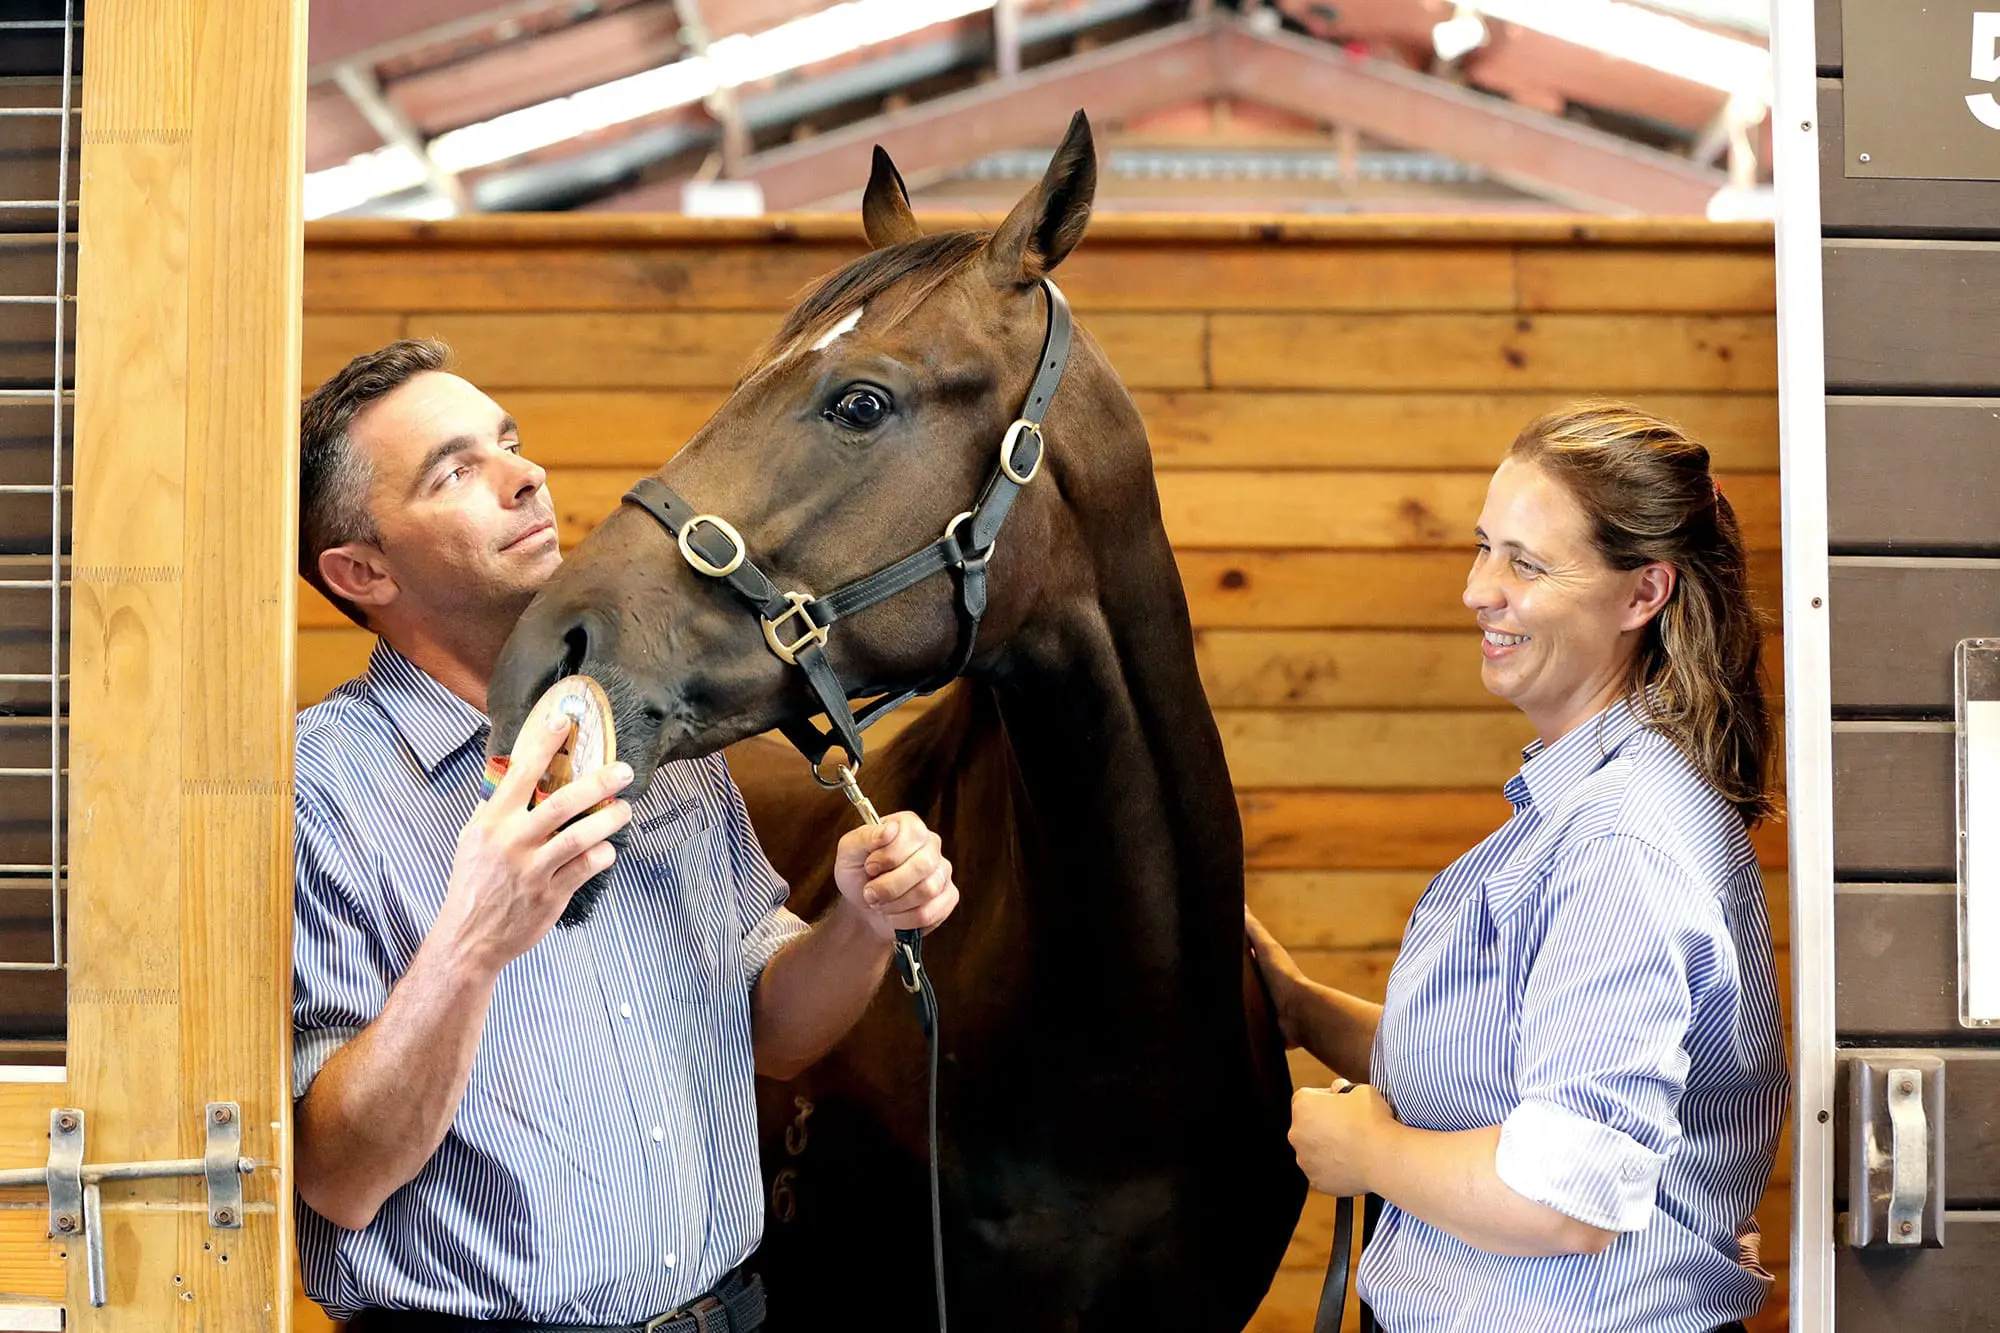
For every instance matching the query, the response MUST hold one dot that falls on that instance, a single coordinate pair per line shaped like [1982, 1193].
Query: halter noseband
[796, 623]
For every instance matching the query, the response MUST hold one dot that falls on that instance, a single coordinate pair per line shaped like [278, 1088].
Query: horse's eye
[860, 408]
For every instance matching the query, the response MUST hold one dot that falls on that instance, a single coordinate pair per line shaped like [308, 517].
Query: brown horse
[1114, 1093]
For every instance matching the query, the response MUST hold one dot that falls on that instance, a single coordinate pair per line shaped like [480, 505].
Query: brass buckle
[971, 561]
[815, 633]
[701, 562]
[1013, 437]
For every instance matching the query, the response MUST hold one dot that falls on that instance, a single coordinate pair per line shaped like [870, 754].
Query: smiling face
[1560, 627]
[466, 524]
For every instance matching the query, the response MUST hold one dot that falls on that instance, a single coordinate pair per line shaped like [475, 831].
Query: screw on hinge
[1905, 1228]
[221, 1115]
[65, 1223]
[66, 1122]
[225, 1217]
[1905, 1086]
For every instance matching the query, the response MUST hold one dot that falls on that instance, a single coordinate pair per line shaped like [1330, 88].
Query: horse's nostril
[576, 649]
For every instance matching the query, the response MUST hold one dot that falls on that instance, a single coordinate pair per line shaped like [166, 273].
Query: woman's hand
[1338, 1133]
[1282, 977]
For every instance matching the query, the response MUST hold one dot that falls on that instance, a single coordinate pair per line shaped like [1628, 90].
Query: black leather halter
[797, 623]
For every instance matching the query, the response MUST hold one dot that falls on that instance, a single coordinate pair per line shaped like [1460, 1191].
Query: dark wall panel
[1913, 475]
[1826, 34]
[1971, 1132]
[1884, 207]
[1933, 1291]
[1896, 961]
[1894, 812]
[1912, 316]
[1895, 625]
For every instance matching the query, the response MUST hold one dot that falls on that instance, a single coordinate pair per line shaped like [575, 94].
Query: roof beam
[1583, 167]
[1125, 79]
[359, 84]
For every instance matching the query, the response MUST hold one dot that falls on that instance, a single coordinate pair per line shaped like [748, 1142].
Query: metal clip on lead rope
[909, 957]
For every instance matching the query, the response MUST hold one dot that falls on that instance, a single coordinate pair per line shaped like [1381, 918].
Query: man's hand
[515, 867]
[1337, 1135]
[896, 873]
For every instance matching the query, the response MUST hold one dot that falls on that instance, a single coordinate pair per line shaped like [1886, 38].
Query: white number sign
[1985, 68]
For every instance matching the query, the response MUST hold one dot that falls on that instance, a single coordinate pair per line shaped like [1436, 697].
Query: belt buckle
[710, 1316]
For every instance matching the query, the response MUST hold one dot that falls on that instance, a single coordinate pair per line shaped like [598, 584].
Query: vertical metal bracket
[65, 1173]
[1895, 1157]
[222, 1165]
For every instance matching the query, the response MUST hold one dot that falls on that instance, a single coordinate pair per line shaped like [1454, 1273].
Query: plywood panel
[1582, 353]
[1894, 812]
[1896, 961]
[1913, 475]
[1943, 1290]
[1879, 206]
[1971, 1126]
[1910, 316]
[1894, 628]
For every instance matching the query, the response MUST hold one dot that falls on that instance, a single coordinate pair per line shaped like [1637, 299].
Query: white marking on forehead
[840, 330]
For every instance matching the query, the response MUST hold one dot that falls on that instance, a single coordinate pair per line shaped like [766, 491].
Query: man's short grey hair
[333, 478]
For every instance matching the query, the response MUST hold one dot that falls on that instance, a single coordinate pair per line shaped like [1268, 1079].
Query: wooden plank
[1971, 1125]
[1367, 510]
[1913, 475]
[1826, 36]
[1895, 625]
[186, 480]
[331, 341]
[712, 349]
[1192, 428]
[1896, 962]
[1583, 353]
[1379, 751]
[1910, 316]
[24, 633]
[1894, 808]
[1342, 669]
[1358, 830]
[1880, 206]
[1282, 511]
[31, 1263]
[1156, 276]
[1938, 1291]
[1369, 909]
[1649, 281]
[328, 658]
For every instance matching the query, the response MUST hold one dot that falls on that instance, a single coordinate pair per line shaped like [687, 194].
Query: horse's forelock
[929, 262]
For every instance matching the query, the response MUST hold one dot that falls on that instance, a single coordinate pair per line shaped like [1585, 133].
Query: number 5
[1985, 68]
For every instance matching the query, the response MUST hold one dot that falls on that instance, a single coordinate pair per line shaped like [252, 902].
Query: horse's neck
[1130, 833]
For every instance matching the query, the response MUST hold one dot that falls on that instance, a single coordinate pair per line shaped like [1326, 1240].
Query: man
[499, 1121]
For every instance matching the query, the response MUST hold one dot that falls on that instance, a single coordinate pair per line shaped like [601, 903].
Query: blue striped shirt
[1596, 978]
[602, 1166]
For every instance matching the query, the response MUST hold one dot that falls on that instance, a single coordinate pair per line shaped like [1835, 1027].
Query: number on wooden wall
[1985, 67]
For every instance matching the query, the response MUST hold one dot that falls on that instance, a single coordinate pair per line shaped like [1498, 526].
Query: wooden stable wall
[1325, 399]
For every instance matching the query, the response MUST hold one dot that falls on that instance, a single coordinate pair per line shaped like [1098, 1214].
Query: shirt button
[668, 1260]
[659, 1134]
[624, 1011]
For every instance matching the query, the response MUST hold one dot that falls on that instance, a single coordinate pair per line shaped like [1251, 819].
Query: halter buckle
[1013, 437]
[972, 561]
[702, 562]
[815, 633]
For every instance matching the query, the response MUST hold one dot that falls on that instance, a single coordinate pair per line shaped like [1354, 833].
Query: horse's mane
[928, 261]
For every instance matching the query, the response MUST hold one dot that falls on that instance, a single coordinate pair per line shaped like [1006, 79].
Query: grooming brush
[592, 741]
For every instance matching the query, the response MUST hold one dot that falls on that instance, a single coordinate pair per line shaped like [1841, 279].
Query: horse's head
[873, 418]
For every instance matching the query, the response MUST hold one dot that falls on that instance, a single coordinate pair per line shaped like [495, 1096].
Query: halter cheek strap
[797, 624]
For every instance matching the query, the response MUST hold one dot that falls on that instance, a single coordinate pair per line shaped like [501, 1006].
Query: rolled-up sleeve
[767, 924]
[1629, 940]
[340, 978]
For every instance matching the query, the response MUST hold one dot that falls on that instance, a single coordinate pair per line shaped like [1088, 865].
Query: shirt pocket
[686, 885]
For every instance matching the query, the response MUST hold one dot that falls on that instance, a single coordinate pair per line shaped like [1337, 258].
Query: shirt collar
[1549, 771]
[435, 723]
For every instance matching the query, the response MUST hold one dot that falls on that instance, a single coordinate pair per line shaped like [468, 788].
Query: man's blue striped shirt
[602, 1166]
[1597, 979]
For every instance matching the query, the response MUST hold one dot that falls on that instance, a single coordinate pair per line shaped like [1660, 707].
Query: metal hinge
[75, 1196]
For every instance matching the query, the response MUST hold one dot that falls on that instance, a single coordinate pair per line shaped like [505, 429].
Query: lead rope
[909, 958]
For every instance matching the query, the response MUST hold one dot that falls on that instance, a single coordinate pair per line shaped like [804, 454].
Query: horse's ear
[885, 205]
[1048, 222]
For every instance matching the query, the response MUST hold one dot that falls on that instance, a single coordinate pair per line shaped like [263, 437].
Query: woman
[1579, 1070]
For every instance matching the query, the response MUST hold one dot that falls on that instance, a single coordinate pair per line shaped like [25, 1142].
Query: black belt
[736, 1305]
